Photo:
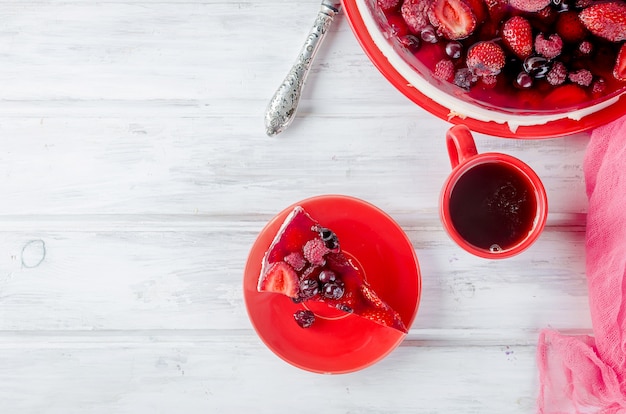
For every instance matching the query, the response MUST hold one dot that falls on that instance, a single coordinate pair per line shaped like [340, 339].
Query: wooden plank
[223, 374]
[98, 279]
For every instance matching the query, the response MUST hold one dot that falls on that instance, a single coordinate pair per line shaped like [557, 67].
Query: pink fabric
[588, 374]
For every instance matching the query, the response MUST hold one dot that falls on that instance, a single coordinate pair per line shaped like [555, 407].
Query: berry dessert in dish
[305, 263]
[365, 247]
[517, 62]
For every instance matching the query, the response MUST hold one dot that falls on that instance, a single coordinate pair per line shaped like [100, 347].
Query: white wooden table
[135, 175]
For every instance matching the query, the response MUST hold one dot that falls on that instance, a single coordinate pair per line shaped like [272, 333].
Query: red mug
[492, 205]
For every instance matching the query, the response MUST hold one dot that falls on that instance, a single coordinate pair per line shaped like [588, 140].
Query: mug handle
[460, 144]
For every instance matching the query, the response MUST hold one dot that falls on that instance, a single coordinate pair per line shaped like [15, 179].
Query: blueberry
[308, 288]
[561, 5]
[454, 49]
[411, 42]
[326, 276]
[429, 35]
[344, 307]
[333, 290]
[524, 80]
[537, 66]
[329, 238]
[304, 318]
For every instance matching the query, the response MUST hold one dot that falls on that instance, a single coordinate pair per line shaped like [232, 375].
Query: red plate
[557, 128]
[346, 343]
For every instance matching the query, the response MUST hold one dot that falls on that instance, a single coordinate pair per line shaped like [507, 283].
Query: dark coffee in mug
[493, 206]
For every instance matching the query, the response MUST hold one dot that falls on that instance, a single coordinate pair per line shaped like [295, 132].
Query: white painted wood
[135, 176]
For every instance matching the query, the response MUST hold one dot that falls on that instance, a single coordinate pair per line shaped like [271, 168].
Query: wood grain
[135, 175]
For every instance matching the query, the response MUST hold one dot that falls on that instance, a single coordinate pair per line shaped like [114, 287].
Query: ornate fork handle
[282, 107]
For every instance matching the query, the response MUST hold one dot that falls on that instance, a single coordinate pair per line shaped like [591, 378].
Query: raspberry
[550, 47]
[444, 70]
[295, 260]
[529, 5]
[388, 5]
[314, 251]
[583, 77]
[414, 13]
[598, 87]
[557, 74]
[585, 47]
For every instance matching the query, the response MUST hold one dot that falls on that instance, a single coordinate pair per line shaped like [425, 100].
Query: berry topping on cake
[606, 20]
[415, 14]
[314, 251]
[517, 35]
[485, 58]
[327, 275]
[529, 5]
[454, 19]
[280, 278]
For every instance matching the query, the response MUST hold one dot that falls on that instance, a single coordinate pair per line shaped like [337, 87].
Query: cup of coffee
[492, 205]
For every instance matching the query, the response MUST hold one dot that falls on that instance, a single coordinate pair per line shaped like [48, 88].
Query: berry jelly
[521, 81]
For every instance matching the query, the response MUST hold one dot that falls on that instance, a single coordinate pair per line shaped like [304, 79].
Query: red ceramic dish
[366, 33]
[339, 343]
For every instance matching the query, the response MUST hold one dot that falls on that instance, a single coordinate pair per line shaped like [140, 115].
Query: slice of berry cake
[305, 263]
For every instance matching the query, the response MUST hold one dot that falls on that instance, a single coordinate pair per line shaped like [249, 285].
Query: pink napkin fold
[584, 374]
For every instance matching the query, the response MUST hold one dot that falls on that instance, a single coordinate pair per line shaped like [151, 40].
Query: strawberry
[529, 5]
[570, 28]
[517, 35]
[415, 14]
[606, 20]
[444, 70]
[565, 96]
[454, 19]
[280, 278]
[485, 58]
[619, 71]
